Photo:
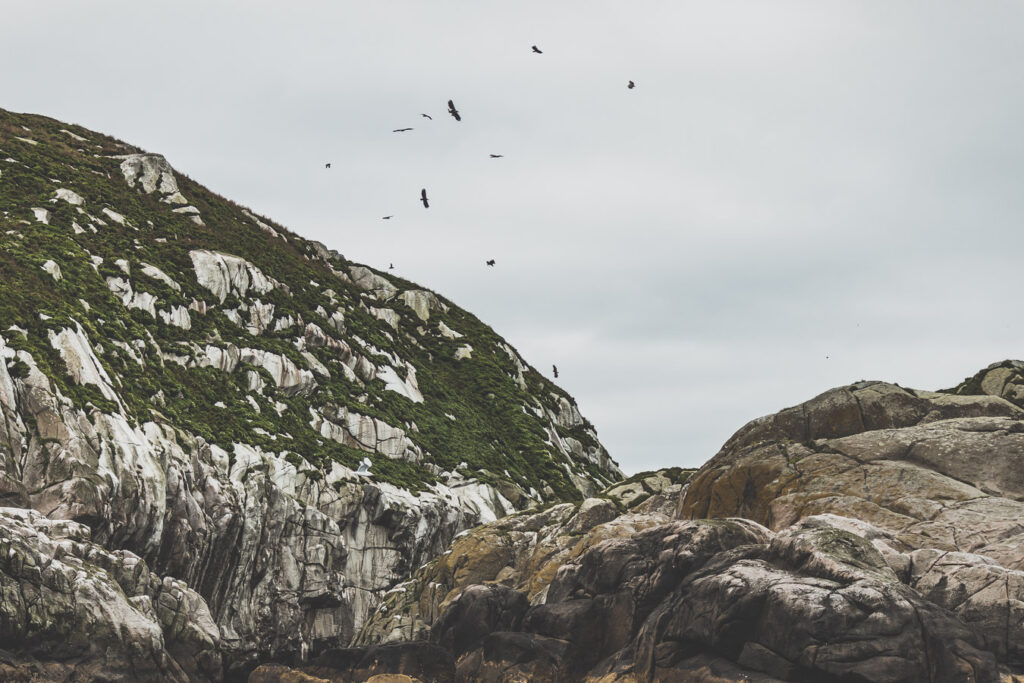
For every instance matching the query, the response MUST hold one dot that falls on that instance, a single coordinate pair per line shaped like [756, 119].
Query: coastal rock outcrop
[202, 401]
[871, 534]
[937, 470]
[827, 599]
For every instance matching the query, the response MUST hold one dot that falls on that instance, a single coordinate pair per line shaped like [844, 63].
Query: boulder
[938, 471]
[479, 611]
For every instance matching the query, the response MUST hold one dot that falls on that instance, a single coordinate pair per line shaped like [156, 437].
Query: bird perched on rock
[427, 116]
[554, 369]
[491, 262]
[631, 85]
[497, 156]
[327, 165]
[391, 266]
[364, 468]
[400, 130]
[423, 198]
[453, 111]
[537, 50]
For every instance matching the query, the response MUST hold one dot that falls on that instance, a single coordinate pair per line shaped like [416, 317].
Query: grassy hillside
[66, 198]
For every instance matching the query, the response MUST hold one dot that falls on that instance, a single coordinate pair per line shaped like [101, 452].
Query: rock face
[935, 470]
[89, 613]
[186, 392]
[523, 552]
[870, 534]
[643, 598]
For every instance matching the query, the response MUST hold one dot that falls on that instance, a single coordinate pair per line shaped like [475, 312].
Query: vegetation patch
[489, 416]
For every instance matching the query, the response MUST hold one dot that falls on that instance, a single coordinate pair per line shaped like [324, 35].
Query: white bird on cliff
[364, 468]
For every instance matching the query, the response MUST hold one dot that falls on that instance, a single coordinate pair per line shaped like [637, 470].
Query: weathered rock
[1004, 379]
[96, 614]
[187, 394]
[421, 302]
[288, 376]
[933, 481]
[157, 274]
[593, 511]
[69, 196]
[829, 598]
[82, 364]
[523, 552]
[988, 598]
[479, 611]
[378, 285]
[225, 274]
[123, 290]
[808, 604]
[152, 172]
[927, 467]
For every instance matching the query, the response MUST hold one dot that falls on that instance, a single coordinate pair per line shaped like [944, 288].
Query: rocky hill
[187, 389]
[872, 533]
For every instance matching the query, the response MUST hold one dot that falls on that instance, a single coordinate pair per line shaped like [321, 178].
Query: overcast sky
[795, 196]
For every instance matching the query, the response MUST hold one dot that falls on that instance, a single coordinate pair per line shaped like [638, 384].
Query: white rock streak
[82, 363]
[406, 387]
[69, 196]
[225, 274]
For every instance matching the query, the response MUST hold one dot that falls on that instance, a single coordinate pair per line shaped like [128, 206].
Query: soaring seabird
[497, 156]
[537, 50]
[453, 111]
[631, 85]
[423, 198]
[491, 262]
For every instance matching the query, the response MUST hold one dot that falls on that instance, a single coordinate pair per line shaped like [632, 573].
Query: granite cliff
[186, 391]
[872, 533]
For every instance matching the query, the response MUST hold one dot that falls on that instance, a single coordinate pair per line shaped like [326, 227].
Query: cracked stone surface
[827, 599]
[871, 533]
[939, 471]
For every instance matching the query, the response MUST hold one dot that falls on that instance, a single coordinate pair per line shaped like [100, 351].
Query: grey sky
[788, 181]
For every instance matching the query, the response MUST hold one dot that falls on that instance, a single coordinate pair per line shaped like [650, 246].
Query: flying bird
[328, 165]
[400, 130]
[364, 468]
[497, 156]
[537, 50]
[423, 198]
[631, 85]
[427, 116]
[386, 218]
[554, 368]
[491, 262]
[453, 111]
